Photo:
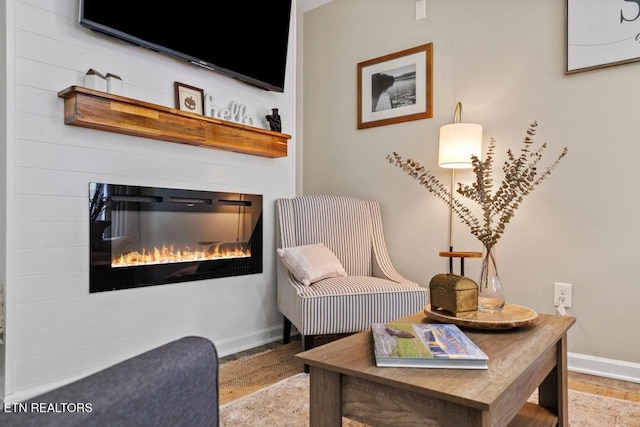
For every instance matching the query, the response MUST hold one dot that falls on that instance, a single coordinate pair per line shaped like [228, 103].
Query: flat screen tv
[244, 40]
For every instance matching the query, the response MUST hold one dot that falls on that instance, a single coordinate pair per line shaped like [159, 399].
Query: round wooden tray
[511, 316]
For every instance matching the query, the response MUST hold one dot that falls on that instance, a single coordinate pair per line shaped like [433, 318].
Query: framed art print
[189, 98]
[396, 88]
[602, 33]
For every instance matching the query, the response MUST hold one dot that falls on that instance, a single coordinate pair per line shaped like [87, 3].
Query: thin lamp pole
[457, 118]
[453, 178]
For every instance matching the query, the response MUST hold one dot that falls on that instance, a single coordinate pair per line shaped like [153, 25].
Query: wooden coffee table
[346, 382]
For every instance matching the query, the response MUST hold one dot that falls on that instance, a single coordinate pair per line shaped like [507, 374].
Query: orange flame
[167, 255]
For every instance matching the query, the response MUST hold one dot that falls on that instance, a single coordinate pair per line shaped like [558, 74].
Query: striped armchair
[372, 291]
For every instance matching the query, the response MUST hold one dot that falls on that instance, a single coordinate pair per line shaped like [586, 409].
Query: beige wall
[504, 60]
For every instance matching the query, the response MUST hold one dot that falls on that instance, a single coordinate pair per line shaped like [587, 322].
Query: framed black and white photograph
[189, 98]
[602, 33]
[396, 88]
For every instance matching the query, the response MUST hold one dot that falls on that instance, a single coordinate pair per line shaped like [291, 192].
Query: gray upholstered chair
[371, 291]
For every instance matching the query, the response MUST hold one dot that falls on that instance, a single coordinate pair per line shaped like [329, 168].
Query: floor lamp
[458, 143]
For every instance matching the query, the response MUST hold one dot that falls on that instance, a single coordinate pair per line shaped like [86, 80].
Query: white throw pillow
[311, 263]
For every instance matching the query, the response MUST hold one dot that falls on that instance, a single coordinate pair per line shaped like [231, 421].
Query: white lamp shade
[458, 142]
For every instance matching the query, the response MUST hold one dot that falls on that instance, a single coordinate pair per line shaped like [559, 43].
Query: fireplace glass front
[143, 236]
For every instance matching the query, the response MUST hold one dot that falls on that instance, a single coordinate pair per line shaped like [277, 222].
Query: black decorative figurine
[274, 120]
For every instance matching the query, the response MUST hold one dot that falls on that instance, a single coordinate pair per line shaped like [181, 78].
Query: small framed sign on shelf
[189, 98]
[396, 88]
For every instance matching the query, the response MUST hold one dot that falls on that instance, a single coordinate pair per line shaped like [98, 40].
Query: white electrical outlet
[562, 294]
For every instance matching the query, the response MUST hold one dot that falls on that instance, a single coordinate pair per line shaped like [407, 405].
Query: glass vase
[490, 292]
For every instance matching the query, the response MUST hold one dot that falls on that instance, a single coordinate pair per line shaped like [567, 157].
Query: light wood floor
[605, 382]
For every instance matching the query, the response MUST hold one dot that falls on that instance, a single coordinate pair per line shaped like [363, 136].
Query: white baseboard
[602, 367]
[238, 343]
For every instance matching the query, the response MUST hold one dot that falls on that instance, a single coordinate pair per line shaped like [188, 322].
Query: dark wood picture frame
[396, 88]
[189, 98]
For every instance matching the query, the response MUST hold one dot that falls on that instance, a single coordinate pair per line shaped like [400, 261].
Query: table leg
[325, 400]
[553, 393]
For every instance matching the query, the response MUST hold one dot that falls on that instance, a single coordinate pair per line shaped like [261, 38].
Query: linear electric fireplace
[143, 236]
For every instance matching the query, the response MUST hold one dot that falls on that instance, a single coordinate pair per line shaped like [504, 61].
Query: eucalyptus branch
[520, 177]
[431, 183]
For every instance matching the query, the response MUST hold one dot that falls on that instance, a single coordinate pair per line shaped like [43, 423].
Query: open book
[425, 345]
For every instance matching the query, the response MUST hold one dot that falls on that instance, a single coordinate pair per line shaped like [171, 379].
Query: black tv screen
[244, 40]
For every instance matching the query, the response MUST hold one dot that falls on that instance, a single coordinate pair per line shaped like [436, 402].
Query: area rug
[286, 403]
[269, 389]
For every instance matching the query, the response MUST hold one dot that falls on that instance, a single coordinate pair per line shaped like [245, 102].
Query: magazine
[425, 345]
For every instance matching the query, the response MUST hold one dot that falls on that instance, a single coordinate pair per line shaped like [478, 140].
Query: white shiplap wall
[55, 330]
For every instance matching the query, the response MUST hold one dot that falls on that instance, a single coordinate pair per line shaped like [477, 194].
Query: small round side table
[462, 255]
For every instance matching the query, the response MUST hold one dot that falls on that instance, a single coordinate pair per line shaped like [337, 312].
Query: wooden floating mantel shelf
[114, 113]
